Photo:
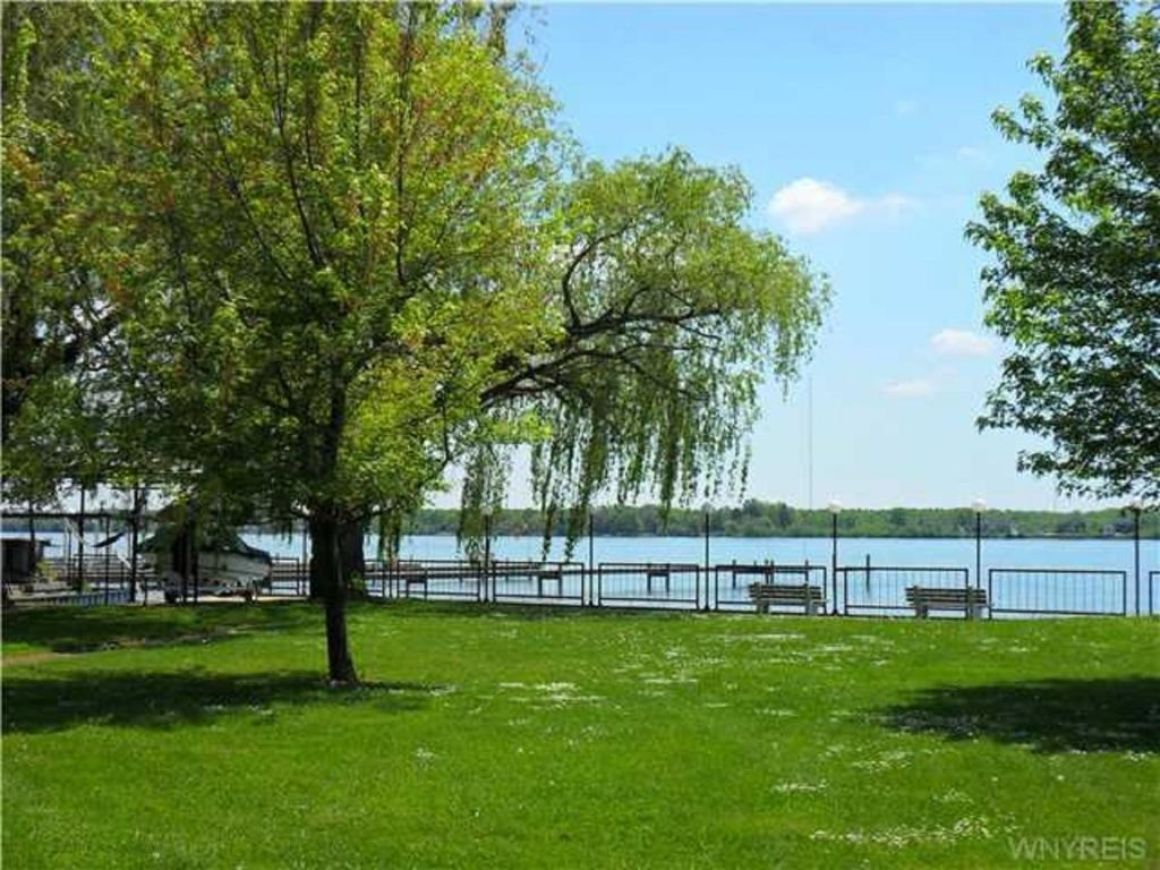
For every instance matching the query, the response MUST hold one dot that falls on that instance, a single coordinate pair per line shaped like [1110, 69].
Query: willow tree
[671, 311]
[341, 251]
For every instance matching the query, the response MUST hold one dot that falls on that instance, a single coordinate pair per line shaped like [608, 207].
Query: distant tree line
[760, 519]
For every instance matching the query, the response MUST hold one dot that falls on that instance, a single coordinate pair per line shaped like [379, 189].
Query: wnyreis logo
[1078, 848]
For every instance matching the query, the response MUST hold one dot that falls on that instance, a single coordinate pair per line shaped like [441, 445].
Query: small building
[20, 557]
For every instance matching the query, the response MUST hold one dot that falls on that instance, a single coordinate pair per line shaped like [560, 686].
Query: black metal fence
[733, 586]
[660, 584]
[866, 589]
[289, 577]
[553, 582]
[894, 590]
[90, 580]
[1054, 591]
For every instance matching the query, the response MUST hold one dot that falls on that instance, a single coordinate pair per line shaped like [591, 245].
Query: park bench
[810, 598]
[926, 598]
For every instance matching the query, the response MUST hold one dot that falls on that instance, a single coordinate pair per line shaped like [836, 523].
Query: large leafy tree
[49, 321]
[314, 226]
[340, 249]
[672, 312]
[1075, 286]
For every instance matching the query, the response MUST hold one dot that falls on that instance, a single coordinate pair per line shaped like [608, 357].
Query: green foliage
[326, 251]
[1075, 289]
[758, 519]
[46, 320]
[312, 226]
[338, 255]
[672, 311]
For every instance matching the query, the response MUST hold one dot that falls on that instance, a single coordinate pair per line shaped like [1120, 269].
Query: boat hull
[218, 574]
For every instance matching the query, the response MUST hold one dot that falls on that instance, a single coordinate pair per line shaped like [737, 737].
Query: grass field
[490, 738]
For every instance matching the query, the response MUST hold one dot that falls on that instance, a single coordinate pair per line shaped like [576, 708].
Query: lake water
[953, 552]
[882, 591]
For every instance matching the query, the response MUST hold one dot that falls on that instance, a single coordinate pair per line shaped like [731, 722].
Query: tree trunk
[326, 576]
[352, 562]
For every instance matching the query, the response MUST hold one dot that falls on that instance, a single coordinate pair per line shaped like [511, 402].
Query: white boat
[226, 565]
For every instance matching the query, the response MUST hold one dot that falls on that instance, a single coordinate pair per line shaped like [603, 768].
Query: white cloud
[912, 389]
[960, 342]
[809, 206]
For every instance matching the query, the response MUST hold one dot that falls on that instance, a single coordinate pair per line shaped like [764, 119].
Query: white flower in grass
[800, 787]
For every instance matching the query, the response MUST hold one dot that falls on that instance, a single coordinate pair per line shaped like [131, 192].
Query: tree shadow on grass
[1099, 715]
[165, 700]
[75, 629]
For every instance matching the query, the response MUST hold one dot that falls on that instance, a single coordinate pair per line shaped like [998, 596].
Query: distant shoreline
[755, 519]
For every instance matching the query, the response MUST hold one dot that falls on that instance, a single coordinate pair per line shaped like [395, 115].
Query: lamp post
[707, 509]
[978, 505]
[835, 507]
[1136, 506]
[486, 547]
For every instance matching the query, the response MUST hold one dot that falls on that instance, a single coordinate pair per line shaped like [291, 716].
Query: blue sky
[865, 131]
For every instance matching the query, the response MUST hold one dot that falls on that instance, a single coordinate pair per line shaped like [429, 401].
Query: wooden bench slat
[969, 599]
[804, 595]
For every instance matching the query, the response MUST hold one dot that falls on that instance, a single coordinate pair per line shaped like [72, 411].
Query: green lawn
[206, 738]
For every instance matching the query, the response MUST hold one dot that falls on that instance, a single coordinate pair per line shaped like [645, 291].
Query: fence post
[845, 591]
[108, 554]
[81, 543]
[133, 540]
[835, 508]
[1137, 505]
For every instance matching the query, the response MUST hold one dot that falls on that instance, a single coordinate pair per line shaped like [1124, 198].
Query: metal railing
[288, 577]
[731, 583]
[865, 589]
[104, 578]
[1057, 591]
[650, 584]
[554, 582]
[891, 589]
